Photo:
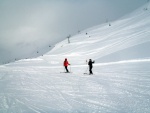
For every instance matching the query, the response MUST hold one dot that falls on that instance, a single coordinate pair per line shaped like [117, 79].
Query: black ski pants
[90, 69]
[66, 68]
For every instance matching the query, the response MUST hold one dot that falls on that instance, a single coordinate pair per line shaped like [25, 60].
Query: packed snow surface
[121, 80]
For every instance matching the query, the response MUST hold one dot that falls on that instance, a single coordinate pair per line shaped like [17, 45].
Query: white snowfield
[121, 80]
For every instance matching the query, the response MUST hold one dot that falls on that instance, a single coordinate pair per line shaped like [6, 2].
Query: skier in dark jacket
[66, 63]
[90, 63]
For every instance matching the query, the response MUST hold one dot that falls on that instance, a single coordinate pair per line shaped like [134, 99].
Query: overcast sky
[27, 25]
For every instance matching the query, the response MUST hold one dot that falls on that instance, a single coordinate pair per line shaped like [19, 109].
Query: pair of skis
[65, 72]
[87, 74]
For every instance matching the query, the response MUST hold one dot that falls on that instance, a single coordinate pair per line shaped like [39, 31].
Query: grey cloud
[40, 23]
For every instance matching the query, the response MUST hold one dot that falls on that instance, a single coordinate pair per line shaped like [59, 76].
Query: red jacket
[66, 63]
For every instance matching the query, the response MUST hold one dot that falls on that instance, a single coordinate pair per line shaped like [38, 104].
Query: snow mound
[125, 39]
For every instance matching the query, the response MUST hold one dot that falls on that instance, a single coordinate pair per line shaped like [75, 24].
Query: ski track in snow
[112, 89]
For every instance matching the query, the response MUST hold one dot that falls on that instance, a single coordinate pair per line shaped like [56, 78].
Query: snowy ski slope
[121, 80]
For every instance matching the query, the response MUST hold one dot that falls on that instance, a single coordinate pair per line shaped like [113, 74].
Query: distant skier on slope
[66, 63]
[90, 63]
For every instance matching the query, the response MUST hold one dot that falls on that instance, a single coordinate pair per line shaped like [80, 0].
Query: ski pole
[70, 68]
[86, 70]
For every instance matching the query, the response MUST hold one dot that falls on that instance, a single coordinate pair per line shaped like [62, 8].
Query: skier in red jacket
[66, 63]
